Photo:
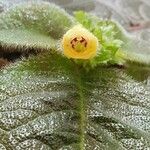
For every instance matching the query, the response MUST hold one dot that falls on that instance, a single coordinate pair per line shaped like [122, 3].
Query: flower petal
[79, 43]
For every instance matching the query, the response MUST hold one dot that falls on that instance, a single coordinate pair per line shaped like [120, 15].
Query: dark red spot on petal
[77, 40]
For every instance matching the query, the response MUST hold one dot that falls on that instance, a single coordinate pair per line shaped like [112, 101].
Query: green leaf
[137, 51]
[33, 25]
[48, 102]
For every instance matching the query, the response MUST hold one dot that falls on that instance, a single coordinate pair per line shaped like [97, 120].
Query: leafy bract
[116, 44]
[110, 38]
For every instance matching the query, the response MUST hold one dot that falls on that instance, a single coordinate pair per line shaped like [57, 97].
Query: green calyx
[109, 51]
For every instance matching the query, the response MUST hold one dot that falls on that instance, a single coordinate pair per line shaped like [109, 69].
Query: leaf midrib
[82, 106]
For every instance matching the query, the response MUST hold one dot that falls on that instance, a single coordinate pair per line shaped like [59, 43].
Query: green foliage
[49, 102]
[107, 34]
[36, 25]
[117, 46]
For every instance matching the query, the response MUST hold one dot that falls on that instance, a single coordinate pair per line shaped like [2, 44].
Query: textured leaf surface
[33, 25]
[48, 102]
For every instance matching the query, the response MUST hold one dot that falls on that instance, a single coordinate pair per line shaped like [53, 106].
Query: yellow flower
[79, 43]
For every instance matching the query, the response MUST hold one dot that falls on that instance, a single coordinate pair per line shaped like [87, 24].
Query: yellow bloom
[79, 43]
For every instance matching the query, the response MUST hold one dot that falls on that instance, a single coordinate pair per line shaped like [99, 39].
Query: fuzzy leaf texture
[33, 26]
[48, 102]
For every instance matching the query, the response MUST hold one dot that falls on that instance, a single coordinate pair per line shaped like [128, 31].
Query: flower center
[79, 44]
